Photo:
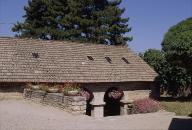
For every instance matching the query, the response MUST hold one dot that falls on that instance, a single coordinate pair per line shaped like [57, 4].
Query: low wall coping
[76, 98]
[126, 101]
[55, 94]
[98, 103]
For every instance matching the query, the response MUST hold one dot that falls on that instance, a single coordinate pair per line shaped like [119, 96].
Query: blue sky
[149, 19]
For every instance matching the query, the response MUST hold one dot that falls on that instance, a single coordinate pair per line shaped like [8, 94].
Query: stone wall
[132, 90]
[136, 94]
[72, 104]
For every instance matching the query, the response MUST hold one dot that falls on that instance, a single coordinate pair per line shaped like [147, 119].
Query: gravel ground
[26, 115]
[10, 95]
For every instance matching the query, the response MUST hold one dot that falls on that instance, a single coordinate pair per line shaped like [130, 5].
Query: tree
[177, 47]
[177, 44]
[174, 62]
[37, 20]
[155, 58]
[96, 21]
[110, 25]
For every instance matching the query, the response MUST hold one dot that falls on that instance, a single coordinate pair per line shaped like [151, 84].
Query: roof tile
[61, 61]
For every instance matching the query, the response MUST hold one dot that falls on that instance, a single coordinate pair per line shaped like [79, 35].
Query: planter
[53, 90]
[35, 87]
[71, 93]
[87, 95]
[115, 94]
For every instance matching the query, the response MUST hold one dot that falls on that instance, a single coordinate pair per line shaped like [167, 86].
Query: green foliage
[177, 47]
[177, 44]
[44, 87]
[155, 58]
[71, 87]
[97, 21]
[174, 62]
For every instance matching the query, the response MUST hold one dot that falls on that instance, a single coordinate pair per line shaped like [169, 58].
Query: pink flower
[146, 105]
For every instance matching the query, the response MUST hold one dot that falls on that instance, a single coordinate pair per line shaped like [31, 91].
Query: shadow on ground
[190, 115]
[181, 124]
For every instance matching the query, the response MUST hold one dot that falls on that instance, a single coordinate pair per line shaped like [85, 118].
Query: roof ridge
[63, 41]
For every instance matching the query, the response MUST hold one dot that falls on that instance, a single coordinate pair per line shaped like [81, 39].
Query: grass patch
[181, 108]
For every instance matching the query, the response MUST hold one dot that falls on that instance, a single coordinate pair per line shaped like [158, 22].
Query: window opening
[90, 58]
[125, 60]
[108, 59]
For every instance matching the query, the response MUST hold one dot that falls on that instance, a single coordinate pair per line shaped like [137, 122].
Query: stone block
[79, 98]
[76, 108]
[98, 111]
[83, 107]
[78, 103]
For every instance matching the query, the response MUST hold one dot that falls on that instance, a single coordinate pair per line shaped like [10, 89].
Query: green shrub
[44, 87]
[71, 87]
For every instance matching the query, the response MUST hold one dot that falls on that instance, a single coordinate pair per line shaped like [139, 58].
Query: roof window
[90, 58]
[125, 60]
[108, 59]
[35, 55]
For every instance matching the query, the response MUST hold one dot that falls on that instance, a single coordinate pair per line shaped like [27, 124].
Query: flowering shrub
[44, 87]
[29, 85]
[33, 86]
[146, 105]
[55, 87]
[87, 94]
[71, 87]
[60, 87]
[115, 94]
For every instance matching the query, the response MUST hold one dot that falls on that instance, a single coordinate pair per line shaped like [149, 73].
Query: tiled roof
[30, 60]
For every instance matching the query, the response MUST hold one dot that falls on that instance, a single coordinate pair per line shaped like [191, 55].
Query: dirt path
[26, 115]
[10, 95]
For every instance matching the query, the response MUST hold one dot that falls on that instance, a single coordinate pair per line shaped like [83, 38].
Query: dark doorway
[89, 97]
[112, 99]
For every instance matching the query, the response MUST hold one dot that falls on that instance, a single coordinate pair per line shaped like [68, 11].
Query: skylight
[108, 59]
[90, 58]
[125, 60]
[35, 55]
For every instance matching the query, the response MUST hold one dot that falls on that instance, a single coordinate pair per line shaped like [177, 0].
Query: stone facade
[70, 62]
[132, 91]
[76, 104]
[72, 104]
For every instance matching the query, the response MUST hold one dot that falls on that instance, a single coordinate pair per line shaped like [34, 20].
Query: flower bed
[115, 94]
[146, 105]
[68, 89]
[71, 89]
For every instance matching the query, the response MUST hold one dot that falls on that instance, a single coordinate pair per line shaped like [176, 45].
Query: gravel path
[26, 115]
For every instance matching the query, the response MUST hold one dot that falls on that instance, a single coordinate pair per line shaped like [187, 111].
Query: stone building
[97, 67]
